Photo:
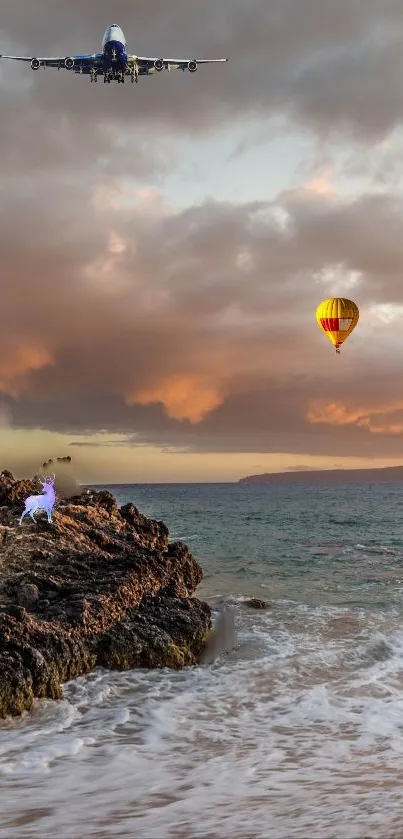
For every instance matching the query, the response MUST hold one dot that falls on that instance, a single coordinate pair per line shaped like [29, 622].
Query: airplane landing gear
[112, 75]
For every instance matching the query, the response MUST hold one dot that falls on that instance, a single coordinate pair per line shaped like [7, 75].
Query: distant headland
[387, 474]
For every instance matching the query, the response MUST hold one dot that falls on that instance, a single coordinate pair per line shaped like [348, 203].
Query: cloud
[90, 444]
[196, 328]
[5, 416]
[183, 397]
[174, 340]
[336, 73]
[17, 362]
[385, 419]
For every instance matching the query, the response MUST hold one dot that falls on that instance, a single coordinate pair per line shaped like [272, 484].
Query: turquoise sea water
[297, 732]
[314, 545]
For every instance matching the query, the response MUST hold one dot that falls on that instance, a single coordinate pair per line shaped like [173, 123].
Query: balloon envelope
[337, 317]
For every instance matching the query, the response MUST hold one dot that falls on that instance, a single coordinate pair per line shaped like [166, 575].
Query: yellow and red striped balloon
[337, 317]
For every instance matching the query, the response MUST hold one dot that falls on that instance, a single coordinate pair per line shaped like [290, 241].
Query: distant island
[388, 474]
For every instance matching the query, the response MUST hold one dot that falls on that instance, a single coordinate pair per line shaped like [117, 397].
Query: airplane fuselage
[114, 50]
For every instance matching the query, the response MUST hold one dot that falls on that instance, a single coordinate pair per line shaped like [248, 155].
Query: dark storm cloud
[197, 329]
[336, 67]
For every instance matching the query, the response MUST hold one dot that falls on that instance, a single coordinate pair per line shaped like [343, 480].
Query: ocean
[297, 732]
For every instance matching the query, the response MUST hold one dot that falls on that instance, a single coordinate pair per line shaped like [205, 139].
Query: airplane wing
[146, 65]
[78, 63]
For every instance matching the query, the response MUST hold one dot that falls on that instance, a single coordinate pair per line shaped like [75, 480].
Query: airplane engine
[35, 64]
[192, 66]
[69, 63]
[159, 64]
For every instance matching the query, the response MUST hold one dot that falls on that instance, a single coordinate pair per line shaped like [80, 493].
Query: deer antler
[45, 479]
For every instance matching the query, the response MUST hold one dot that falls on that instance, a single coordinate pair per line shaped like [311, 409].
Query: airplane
[114, 63]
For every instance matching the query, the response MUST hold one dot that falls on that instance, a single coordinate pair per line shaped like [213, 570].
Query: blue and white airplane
[114, 62]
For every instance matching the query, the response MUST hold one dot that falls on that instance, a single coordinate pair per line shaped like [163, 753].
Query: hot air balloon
[337, 317]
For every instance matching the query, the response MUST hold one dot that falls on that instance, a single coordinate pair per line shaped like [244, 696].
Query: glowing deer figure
[41, 502]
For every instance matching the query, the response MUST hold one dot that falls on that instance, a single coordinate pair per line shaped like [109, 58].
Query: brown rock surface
[100, 586]
[256, 603]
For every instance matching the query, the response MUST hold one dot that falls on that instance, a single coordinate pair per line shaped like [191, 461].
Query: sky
[165, 245]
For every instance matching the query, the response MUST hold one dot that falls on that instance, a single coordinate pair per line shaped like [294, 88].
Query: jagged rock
[27, 595]
[162, 627]
[66, 459]
[100, 586]
[255, 603]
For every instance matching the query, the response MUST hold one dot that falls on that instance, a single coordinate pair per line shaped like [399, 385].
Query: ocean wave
[295, 732]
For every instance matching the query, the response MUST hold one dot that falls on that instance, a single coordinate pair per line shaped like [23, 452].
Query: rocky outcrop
[99, 586]
[256, 603]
